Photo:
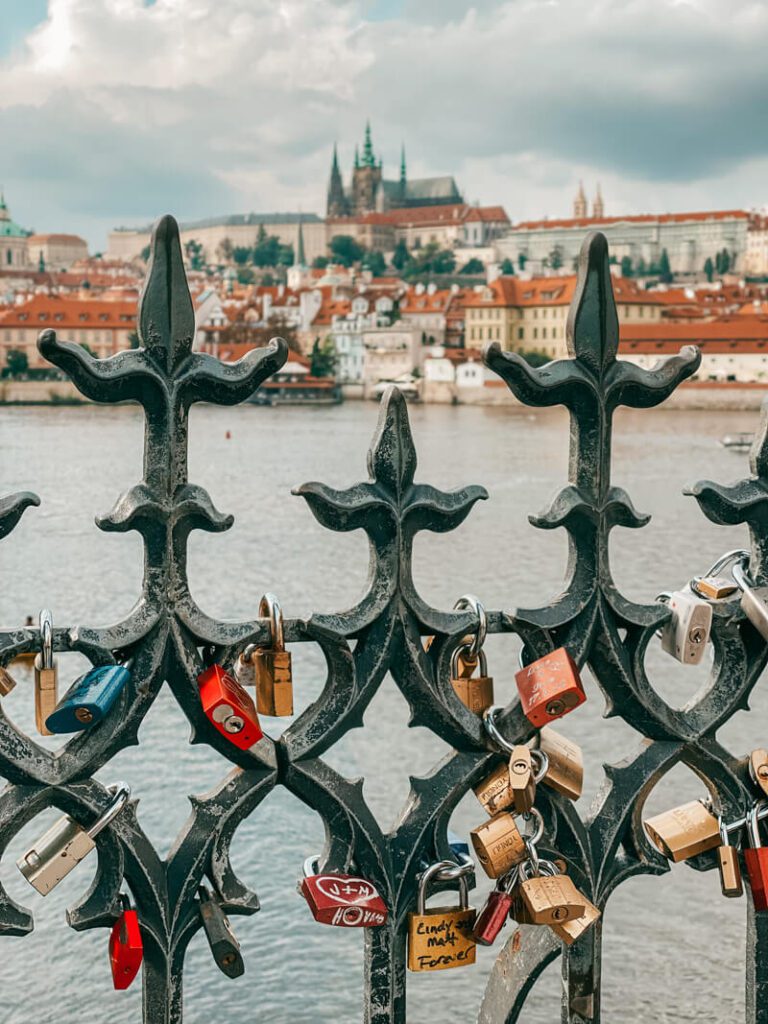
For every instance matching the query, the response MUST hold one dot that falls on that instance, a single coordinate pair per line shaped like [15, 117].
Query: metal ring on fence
[450, 874]
[478, 638]
[539, 830]
[542, 757]
[269, 607]
[489, 721]
[533, 854]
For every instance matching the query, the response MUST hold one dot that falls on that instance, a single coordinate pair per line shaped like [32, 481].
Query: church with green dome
[13, 240]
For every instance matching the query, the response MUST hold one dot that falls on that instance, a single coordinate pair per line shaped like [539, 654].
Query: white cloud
[113, 109]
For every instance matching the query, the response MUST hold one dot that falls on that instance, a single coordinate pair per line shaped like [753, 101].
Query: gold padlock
[565, 771]
[7, 682]
[441, 938]
[758, 769]
[714, 588]
[571, 930]
[500, 845]
[684, 831]
[549, 898]
[46, 676]
[522, 781]
[497, 793]
[475, 692]
[271, 666]
[728, 865]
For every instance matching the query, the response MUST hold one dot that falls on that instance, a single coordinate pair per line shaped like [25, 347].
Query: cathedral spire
[598, 207]
[403, 176]
[357, 158]
[369, 160]
[580, 203]
[301, 256]
[337, 203]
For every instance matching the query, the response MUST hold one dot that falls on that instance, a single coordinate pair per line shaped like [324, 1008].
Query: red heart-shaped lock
[126, 950]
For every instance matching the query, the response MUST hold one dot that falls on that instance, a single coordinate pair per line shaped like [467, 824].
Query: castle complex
[369, 192]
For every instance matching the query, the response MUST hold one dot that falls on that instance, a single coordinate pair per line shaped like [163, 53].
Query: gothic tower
[580, 203]
[337, 201]
[403, 177]
[366, 178]
[598, 208]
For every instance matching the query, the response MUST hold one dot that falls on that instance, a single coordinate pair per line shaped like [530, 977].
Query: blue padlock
[89, 699]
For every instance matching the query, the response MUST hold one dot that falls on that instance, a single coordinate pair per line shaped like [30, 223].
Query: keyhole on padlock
[519, 767]
[697, 635]
[84, 715]
[555, 707]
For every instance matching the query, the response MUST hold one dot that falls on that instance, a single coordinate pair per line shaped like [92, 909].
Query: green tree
[266, 252]
[665, 271]
[245, 275]
[194, 253]
[430, 260]
[507, 267]
[555, 258]
[725, 262]
[323, 358]
[267, 279]
[145, 253]
[133, 340]
[641, 268]
[375, 262]
[320, 262]
[400, 256]
[242, 254]
[346, 250]
[225, 249]
[709, 268]
[626, 266]
[16, 362]
[473, 266]
[522, 259]
[285, 257]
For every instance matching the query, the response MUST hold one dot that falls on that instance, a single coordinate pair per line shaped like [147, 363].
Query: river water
[674, 948]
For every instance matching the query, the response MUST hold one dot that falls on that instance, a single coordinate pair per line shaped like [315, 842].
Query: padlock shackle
[480, 656]
[461, 870]
[741, 576]
[740, 823]
[469, 601]
[46, 638]
[753, 827]
[122, 793]
[730, 556]
[433, 871]
[269, 607]
[542, 757]
[489, 721]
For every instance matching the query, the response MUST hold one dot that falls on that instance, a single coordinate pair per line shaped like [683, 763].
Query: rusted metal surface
[170, 638]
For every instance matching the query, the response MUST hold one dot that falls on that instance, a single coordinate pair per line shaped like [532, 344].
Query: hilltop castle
[369, 192]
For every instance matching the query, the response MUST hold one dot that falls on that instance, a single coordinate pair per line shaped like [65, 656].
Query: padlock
[758, 769]
[228, 707]
[441, 938]
[66, 843]
[754, 600]
[89, 700]
[224, 946]
[756, 857]
[571, 930]
[550, 687]
[7, 682]
[496, 910]
[46, 683]
[522, 778]
[565, 763]
[342, 900]
[713, 588]
[269, 668]
[728, 864]
[500, 845]
[685, 634]
[496, 792]
[549, 897]
[474, 692]
[684, 831]
[126, 950]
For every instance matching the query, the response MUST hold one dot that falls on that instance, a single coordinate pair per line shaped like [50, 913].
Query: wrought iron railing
[169, 638]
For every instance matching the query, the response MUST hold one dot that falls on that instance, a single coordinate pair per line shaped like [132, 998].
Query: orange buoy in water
[228, 435]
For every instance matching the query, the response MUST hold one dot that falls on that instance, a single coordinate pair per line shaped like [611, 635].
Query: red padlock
[756, 859]
[550, 687]
[494, 914]
[342, 900]
[228, 707]
[126, 950]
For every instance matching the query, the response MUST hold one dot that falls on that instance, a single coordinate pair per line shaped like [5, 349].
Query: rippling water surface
[674, 948]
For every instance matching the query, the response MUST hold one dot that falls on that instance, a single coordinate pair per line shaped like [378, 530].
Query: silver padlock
[46, 677]
[66, 843]
[754, 600]
[686, 633]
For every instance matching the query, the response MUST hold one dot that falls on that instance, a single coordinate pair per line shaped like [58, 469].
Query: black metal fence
[169, 639]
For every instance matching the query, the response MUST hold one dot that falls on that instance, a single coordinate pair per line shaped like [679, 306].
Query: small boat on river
[740, 442]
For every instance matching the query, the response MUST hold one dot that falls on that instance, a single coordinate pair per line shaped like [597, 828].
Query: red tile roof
[67, 314]
[637, 218]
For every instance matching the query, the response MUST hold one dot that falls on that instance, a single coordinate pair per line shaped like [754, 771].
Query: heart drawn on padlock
[349, 891]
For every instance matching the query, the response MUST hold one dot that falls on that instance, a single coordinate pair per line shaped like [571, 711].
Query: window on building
[535, 333]
[544, 332]
[520, 333]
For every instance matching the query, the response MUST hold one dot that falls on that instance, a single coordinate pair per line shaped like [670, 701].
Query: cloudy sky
[114, 111]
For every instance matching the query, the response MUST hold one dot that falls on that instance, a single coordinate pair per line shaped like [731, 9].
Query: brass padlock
[684, 831]
[500, 845]
[728, 864]
[549, 898]
[66, 843]
[565, 771]
[474, 691]
[269, 668]
[571, 930]
[758, 769]
[224, 946]
[713, 588]
[46, 676]
[522, 781]
[7, 682]
[441, 938]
